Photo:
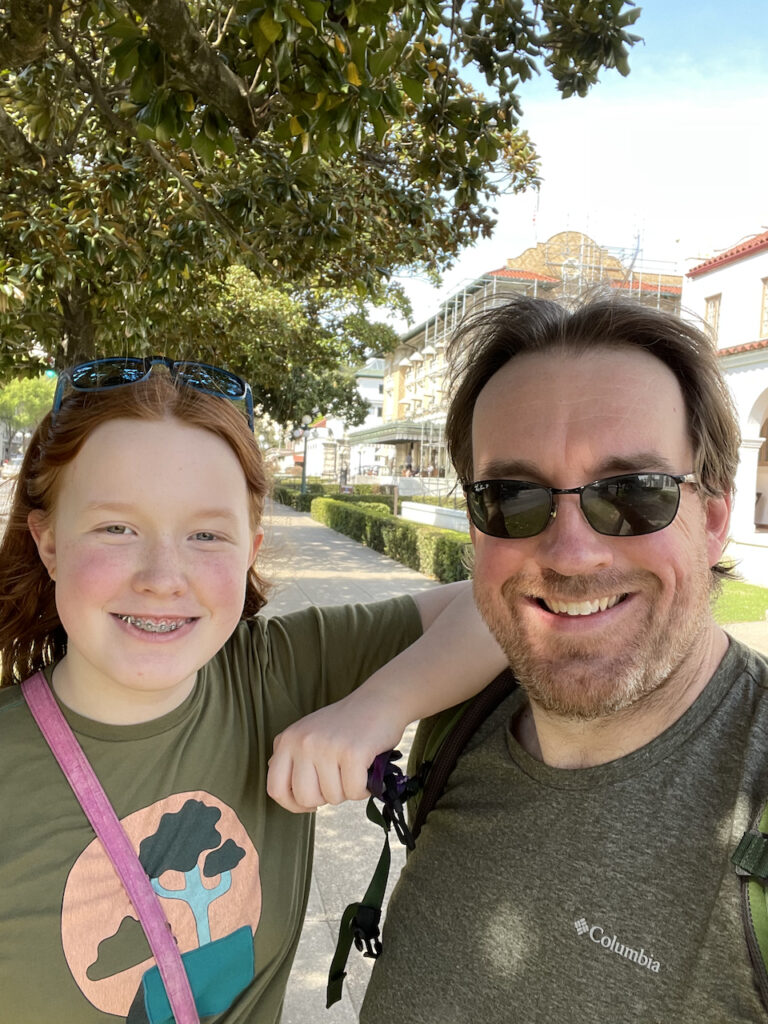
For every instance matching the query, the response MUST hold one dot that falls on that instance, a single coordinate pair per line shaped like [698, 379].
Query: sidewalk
[311, 564]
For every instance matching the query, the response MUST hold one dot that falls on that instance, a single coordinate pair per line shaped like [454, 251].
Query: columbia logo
[611, 944]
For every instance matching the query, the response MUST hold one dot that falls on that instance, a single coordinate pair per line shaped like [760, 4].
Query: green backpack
[751, 861]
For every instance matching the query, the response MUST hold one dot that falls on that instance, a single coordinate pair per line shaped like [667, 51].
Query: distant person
[127, 579]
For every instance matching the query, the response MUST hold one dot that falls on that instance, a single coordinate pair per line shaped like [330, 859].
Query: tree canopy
[23, 403]
[321, 145]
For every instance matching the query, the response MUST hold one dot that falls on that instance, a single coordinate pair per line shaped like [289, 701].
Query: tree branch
[26, 33]
[16, 145]
[172, 28]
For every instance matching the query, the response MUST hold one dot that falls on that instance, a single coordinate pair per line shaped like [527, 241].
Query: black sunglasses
[619, 506]
[117, 372]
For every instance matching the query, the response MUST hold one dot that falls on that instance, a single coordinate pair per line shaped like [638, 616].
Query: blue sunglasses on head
[119, 371]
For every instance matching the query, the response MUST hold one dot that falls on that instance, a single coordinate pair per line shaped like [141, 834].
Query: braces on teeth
[163, 626]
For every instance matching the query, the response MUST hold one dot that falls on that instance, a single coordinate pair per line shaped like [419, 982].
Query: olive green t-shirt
[231, 867]
[602, 895]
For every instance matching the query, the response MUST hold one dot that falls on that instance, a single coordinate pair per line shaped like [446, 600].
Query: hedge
[295, 499]
[428, 549]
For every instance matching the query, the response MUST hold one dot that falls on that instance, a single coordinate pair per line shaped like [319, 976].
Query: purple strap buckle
[388, 783]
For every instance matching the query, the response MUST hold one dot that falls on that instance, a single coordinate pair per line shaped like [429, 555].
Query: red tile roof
[749, 346]
[522, 275]
[733, 255]
[648, 286]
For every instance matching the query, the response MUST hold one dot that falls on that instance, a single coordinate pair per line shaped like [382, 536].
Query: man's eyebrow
[614, 465]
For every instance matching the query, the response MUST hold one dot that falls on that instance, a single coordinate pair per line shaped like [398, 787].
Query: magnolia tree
[318, 146]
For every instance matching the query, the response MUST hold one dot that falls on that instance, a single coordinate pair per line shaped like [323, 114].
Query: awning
[395, 433]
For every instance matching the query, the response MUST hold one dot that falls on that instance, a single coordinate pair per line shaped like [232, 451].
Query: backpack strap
[447, 739]
[99, 811]
[750, 859]
[432, 761]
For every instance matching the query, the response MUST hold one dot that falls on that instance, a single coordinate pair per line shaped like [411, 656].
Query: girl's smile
[149, 548]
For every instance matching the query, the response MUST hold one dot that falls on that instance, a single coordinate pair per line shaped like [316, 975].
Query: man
[577, 867]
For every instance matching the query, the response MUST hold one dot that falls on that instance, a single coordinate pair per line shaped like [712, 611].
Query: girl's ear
[258, 537]
[43, 535]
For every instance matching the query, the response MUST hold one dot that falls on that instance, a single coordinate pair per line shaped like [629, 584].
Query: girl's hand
[324, 758]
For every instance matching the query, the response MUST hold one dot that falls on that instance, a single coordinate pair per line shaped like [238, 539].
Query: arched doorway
[761, 501]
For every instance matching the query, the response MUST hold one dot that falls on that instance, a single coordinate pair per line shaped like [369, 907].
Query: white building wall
[740, 287]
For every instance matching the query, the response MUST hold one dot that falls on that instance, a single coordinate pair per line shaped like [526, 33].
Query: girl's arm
[324, 758]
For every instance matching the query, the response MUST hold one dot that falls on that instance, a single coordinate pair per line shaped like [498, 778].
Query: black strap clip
[365, 931]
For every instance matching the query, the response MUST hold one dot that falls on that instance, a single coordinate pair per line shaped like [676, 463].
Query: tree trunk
[79, 337]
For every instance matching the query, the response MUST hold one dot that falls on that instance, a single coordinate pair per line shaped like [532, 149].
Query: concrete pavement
[314, 565]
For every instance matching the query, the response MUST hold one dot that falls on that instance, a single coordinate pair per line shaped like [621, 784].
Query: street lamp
[303, 431]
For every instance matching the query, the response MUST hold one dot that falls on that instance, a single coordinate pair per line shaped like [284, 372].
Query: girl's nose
[162, 569]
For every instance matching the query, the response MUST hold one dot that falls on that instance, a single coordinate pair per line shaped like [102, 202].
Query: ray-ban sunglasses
[630, 505]
[119, 371]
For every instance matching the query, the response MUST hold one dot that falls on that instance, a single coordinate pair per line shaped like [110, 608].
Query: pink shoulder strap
[107, 827]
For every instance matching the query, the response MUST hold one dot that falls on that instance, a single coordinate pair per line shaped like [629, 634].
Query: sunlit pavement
[314, 565]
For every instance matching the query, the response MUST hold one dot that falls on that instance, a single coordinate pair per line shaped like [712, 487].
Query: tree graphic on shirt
[177, 844]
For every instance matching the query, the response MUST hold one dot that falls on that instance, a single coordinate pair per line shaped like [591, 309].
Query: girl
[127, 574]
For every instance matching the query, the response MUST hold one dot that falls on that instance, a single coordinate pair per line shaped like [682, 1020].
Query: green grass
[741, 602]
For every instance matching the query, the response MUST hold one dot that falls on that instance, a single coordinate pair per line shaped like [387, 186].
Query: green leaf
[269, 28]
[205, 148]
[126, 57]
[413, 89]
[379, 63]
[300, 18]
[379, 123]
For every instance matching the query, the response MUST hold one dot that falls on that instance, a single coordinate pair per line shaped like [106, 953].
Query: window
[764, 310]
[712, 312]
[762, 458]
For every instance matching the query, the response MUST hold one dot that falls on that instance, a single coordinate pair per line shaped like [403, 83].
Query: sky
[671, 161]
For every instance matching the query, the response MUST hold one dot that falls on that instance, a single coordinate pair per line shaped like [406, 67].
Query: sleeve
[320, 654]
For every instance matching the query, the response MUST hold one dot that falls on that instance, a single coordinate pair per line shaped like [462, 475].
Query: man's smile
[583, 607]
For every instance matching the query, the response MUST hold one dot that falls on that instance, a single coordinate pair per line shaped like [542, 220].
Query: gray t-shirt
[602, 895]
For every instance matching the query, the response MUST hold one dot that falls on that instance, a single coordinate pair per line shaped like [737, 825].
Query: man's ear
[718, 519]
[44, 537]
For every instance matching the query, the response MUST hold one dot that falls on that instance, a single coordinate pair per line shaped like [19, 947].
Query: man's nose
[569, 545]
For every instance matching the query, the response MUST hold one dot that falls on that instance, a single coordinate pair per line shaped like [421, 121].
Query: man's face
[592, 624]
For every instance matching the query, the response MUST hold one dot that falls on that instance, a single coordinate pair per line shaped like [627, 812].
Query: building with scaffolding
[568, 265]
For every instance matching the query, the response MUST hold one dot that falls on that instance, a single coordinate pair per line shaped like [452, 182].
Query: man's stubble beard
[579, 680]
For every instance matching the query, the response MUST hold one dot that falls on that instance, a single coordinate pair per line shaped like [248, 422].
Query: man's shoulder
[751, 649]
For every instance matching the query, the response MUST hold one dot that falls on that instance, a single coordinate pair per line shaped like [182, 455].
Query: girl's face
[149, 547]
